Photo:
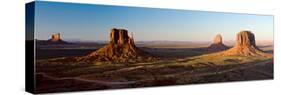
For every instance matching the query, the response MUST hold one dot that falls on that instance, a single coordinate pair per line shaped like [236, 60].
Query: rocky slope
[121, 48]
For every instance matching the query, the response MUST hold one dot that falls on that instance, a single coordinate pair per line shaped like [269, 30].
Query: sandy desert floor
[179, 66]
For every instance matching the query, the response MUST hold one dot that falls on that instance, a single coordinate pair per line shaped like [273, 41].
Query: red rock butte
[121, 48]
[217, 44]
[55, 37]
[245, 46]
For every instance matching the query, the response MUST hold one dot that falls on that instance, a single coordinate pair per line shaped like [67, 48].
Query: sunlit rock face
[245, 46]
[55, 37]
[245, 39]
[121, 48]
[217, 44]
[217, 39]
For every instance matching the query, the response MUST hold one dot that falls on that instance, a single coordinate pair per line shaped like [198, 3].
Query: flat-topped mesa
[121, 48]
[120, 37]
[245, 39]
[55, 37]
[245, 46]
[217, 44]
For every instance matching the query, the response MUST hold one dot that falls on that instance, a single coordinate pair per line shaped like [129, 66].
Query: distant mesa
[54, 40]
[245, 46]
[121, 48]
[217, 39]
[217, 44]
[55, 37]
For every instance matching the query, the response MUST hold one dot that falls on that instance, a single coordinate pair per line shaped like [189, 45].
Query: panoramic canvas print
[77, 47]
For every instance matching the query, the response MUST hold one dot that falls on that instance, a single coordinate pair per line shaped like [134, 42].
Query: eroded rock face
[245, 39]
[119, 36]
[245, 46]
[217, 39]
[55, 37]
[217, 44]
[121, 48]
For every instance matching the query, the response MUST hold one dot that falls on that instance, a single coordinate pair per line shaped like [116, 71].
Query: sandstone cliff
[121, 48]
[245, 46]
[217, 44]
[55, 39]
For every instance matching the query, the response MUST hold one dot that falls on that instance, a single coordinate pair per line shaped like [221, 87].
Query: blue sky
[87, 22]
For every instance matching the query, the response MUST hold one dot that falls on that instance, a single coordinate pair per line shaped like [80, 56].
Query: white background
[12, 52]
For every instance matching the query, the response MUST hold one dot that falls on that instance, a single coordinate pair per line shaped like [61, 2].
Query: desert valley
[81, 47]
[122, 62]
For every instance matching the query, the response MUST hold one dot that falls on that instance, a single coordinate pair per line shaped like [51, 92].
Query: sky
[88, 22]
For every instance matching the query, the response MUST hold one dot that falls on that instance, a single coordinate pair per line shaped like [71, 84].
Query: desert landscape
[79, 47]
[121, 62]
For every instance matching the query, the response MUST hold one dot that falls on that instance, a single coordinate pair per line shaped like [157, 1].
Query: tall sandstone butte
[245, 46]
[217, 44]
[121, 48]
[56, 37]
